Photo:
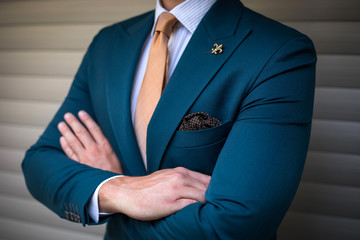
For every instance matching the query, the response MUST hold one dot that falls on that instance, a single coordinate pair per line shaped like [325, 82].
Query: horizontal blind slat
[338, 71]
[19, 136]
[11, 158]
[76, 37]
[325, 10]
[332, 200]
[13, 184]
[15, 229]
[335, 136]
[337, 104]
[27, 112]
[331, 37]
[332, 168]
[300, 226]
[13, 12]
[61, 63]
[80, 11]
[40, 88]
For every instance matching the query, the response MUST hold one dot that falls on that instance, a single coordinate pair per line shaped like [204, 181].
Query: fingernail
[82, 113]
[61, 124]
[67, 115]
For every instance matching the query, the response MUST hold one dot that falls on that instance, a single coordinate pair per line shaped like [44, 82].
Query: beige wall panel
[332, 168]
[64, 63]
[71, 11]
[335, 136]
[302, 226]
[41, 88]
[115, 10]
[338, 71]
[48, 36]
[11, 158]
[32, 211]
[13, 185]
[337, 201]
[331, 37]
[337, 104]
[307, 9]
[17, 229]
[19, 136]
[27, 112]
[328, 37]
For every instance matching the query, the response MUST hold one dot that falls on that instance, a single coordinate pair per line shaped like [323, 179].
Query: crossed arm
[252, 185]
[144, 198]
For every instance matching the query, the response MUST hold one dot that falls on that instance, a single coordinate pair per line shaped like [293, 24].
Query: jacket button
[67, 215]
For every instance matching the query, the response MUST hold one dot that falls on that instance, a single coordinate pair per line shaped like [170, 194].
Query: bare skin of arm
[150, 197]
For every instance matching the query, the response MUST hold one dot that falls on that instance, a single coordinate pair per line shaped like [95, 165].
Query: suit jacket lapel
[127, 46]
[194, 71]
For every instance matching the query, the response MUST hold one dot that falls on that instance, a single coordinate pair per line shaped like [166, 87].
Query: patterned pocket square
[198, 121]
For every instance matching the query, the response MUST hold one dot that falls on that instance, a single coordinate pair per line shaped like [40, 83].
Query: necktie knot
[166, 23]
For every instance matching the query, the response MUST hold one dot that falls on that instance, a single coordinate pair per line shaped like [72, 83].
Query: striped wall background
[41, 46]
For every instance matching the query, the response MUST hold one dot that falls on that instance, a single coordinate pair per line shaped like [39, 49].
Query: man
[237, 107]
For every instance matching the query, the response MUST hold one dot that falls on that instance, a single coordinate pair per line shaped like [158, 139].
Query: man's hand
[87, 144]
[154, 196]
[151, 197]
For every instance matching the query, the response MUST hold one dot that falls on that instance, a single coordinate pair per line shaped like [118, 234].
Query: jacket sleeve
[61, 184]
[259, 168]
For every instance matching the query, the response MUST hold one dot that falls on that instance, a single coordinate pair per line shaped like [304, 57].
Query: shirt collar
[189, 13]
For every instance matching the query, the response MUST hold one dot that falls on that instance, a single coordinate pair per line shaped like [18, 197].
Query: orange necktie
[155, 79]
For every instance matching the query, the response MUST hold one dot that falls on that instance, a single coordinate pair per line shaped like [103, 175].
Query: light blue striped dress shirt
[189, 13]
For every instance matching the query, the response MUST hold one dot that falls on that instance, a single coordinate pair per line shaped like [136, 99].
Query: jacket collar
[126, 46]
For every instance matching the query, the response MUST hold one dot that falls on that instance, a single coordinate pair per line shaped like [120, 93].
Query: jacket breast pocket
[197, 150]
[200, 138]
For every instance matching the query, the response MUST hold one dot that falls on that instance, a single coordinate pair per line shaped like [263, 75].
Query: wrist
[110, 200]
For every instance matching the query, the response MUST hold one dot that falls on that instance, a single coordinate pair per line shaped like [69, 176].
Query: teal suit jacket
[261, 88]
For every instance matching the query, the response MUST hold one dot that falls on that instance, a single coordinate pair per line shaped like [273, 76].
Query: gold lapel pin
[218, 49]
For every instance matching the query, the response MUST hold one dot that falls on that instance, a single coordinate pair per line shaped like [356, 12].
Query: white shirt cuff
[93, 204]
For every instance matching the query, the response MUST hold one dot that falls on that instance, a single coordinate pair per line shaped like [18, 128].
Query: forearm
[60, 183]
[154, 196]
[93, 205]
[55, 180]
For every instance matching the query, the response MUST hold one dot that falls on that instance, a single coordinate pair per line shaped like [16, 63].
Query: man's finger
[67, 149]
[194, 183]
[203, 178]
[71, 139]
[183, 202]
[80, 131]
[92, 126]
[192, 193]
